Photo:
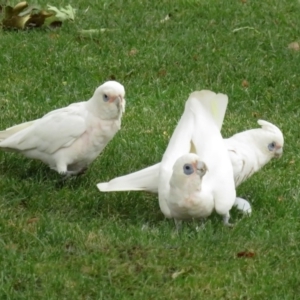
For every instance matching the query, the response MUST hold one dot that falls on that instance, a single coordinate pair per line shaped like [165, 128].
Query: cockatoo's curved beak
[119, 102]
[278, 152]
[201, 168]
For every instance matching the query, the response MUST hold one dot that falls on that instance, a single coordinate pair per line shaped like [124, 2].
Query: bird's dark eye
[271, 146]
[105, 98]
[188, 169]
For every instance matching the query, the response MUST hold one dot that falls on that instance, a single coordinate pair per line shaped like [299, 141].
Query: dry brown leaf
[248, 254]
[294, 46]
[280, 198]
[291, 162]
[245, 83]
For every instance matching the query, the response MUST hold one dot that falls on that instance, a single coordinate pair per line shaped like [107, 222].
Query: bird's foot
[226, 221]
[178, 224]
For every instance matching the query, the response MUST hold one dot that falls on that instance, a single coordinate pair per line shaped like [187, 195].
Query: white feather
[198, 127]
[69, 139]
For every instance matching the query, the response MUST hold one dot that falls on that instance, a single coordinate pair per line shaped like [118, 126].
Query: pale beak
[119, 102]
[278, 152]
[201, 168]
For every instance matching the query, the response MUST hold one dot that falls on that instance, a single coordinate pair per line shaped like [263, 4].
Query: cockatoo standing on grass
[183, 195]
[70, 138]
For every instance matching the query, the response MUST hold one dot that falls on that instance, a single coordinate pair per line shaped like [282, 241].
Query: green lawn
[72, 242]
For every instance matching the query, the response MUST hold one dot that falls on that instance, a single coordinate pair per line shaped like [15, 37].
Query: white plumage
[70, 138]
[198, 130]
[250, 150]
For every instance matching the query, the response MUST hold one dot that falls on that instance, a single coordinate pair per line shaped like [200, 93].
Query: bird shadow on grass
[31, 170]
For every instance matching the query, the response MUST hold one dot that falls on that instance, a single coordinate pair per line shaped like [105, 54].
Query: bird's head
[189, 165]
[108, 100]
[271, 139]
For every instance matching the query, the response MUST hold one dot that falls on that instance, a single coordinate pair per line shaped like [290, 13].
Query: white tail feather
[143, 180]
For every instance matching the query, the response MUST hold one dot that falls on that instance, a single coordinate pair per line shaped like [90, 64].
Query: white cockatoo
[70, 138]
[182, 196]
[249, 151]
[197, 131]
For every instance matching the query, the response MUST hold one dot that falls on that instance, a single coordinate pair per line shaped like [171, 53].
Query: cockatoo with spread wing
[70, 138]
[249, 151]
[192, 185]
[185, 197]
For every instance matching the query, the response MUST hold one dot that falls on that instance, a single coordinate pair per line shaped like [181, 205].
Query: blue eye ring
[105, 98]
[272, 146]
[188, 169]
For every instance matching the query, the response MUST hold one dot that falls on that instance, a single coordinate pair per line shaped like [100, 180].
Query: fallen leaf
[245, 83]
[23, 16]
[63, 14]
[11, 18]
[280, 198]
[32, 220]
[291, 162]
[38, 19]
[246, 254]
[244, 1]
[294, 46]
[133, 51]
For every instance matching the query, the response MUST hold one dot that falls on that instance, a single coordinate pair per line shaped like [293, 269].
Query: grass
[72, 242]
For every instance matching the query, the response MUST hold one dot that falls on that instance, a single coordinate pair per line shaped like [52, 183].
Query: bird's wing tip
[103, 186]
